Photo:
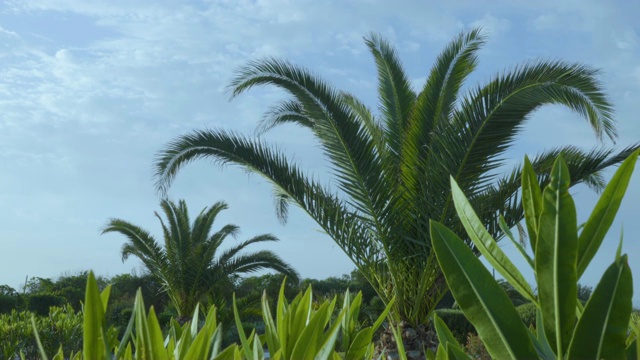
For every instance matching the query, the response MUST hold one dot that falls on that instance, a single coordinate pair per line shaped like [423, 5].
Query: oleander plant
[562, 250]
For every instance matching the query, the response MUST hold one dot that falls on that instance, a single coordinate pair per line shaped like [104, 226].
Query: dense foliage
[392, 167]
[300, 329]
[564, 327]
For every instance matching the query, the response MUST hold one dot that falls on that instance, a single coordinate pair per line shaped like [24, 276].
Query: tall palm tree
[393, 167]
[187, 265]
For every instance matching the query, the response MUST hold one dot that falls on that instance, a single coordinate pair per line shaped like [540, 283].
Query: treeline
[39, 294]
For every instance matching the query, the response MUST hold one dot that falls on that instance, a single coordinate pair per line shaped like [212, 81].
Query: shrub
[527, 313]
[565, 329]
[8, 303]
[61, 326]
[40, 303]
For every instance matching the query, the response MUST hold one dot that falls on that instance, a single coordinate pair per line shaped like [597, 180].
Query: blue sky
[90, 91]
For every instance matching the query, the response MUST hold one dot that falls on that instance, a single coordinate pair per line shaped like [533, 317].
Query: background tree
[187, 266]
[392, 168]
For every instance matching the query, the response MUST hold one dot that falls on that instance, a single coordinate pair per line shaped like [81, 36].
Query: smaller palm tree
[187, 266]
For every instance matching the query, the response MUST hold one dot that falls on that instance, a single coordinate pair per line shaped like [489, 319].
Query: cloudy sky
[90, 91]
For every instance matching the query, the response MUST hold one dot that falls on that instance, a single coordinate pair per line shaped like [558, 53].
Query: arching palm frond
[290, 111]
[342, 224]
[393, 167]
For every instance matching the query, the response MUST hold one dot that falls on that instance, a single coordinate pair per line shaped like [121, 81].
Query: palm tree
[187, 266]
[393, 167]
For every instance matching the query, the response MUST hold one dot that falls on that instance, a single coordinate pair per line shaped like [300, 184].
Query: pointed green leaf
[487, 245]
[441, 353]
[384, 315]
[604, 213]
[281, 323]
[329, 339]
[556, 258]
[244, 342]
[480, 297]
[602, 330]
[270, 331]
[124, 341]
[430, 355]
[444, 334]
[59, 355]
[505, 229]
[531, 201]
[399, 344]
[92, 344]
[455, 353]
[104, 297]
[359, 344]
[43, 354]
[544, 351]
[156, 341]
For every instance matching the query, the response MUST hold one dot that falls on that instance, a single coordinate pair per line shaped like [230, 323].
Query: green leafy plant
[564, 328]
[391, 167]
[61, 326]
[143, 337]
[304, 330]
[301, 329]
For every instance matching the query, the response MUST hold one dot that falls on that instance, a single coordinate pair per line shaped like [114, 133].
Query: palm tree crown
[187, 265]
[393, 167]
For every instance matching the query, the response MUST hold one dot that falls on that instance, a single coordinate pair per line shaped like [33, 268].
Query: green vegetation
[564, 328]
[300, 330]
[187, 266]
[392, 167]
[417, 200]
[60, 326]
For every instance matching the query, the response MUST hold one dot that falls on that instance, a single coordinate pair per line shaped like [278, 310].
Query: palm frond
[434, 104]
[228, 254]
[346, 227]
[204, 222]
[394, 92]
[290, 111]
[491, 116]
[344, 139]
[256, 261]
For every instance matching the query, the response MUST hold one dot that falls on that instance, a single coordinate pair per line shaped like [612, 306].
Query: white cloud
[491, 25]
[628, 40]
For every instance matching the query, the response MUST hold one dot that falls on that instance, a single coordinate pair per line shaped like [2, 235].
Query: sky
[91, 91]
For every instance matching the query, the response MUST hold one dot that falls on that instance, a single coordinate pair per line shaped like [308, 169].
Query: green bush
[62, 325]
[7, 303]
[527, 313]
[40, 303]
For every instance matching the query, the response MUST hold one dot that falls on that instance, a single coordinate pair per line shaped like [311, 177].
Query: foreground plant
[302, 331]
[299, 331]
[564, 328]
[392, 166]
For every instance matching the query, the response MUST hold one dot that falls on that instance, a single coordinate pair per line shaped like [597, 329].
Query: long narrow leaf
[602, 330]
[481, 299]
[507, 232]
[444, 334]
[556, 258]
[487, 245]
[92, 344]
[531, 201]
[604, 213]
